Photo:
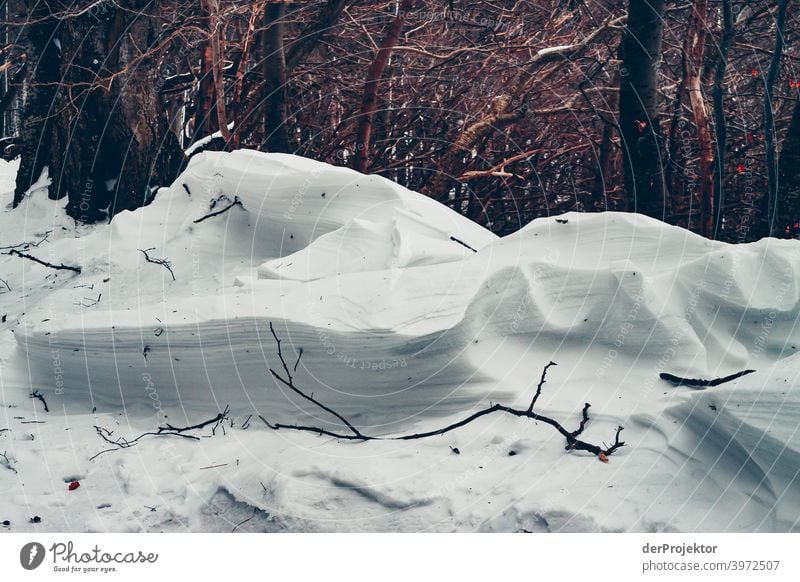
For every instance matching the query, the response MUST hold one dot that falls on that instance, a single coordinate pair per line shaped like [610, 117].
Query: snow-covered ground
[409, 317]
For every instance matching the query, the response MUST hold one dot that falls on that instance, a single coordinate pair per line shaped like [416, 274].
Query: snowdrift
[400, 313]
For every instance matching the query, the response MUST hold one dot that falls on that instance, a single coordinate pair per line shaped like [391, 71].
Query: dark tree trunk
[769, 120]
[111, 142]
[720, 123]
[277, 136]
[788, 207]
[641, 133]
[43, 62]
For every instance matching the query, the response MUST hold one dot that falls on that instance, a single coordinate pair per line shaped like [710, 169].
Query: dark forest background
[505, 110]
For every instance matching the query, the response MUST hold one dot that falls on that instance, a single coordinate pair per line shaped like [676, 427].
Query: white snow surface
[409, 317]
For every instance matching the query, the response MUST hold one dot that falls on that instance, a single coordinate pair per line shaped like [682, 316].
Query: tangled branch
[165, 430]
[236, 202]
[573, 442]
[163, 262]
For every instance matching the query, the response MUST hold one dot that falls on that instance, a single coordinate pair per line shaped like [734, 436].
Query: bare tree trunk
[606, 157]
[695, 46]
[369, 99]
[788, 211]
[217, 42]
[720, 123]
[275, 76]
[43, 62]
[769, 118]
[205, 118]
[111, 145]
[641, 133]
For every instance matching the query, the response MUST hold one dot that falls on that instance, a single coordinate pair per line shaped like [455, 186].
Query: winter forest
[504, 111]
[399, 266]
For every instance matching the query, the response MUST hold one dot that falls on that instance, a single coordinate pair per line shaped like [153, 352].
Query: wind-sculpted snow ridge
[364, 278]
[400, 315]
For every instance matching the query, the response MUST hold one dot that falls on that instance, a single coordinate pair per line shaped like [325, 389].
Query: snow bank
[364, 277]
[407, 314]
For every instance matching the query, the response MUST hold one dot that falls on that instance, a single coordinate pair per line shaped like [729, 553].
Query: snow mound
[402, 315]
[377, 288]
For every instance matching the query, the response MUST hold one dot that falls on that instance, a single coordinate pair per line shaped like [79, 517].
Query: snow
[402, 329]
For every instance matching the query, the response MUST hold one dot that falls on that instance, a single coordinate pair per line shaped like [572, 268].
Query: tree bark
[112, 145]
[696, 41]
[205, 118]
[641, 133]
[276, 131]
[769, 119]
[720, 123]
[43, 62]
[369, 99]
[788, 207]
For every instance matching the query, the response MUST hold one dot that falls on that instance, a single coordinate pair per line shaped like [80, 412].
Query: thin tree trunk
[641, 133]
[769, 118]
[205, 120]
[720, 123]
[43, 62]
[606, 157]
[277, 138]
[369, 99]
[788, 212]
[696, 42]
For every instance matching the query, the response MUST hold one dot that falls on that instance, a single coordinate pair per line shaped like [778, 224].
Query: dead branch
[40, 397]
[16, 253]
[573, 443]
[7, 462]
[236, 202]
[698, 383]
[28, 245]
[163, 262]
[164, 430]
[288, 381]
[463, 244]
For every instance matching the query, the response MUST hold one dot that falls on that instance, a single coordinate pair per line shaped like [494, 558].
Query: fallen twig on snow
[16, 253]
[40, 397]
[678, 381]
[573, 442]
[165, 430]
[463, 244]
[163, 262]
[28, 245]
[236, 202]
